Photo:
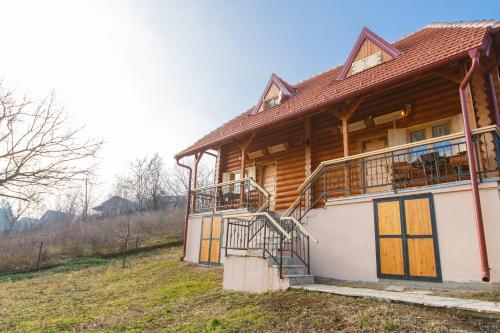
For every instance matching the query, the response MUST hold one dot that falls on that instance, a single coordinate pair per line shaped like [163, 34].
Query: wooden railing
[429, 162]
[237, 194]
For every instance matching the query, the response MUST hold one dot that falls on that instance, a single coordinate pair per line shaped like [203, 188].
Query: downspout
[188, 204]
[474, 55]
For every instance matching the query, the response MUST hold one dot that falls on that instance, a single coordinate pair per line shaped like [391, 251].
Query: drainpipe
[474, 54]
[188, 204]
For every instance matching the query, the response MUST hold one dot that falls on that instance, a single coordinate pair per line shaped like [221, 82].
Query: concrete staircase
[295, 274]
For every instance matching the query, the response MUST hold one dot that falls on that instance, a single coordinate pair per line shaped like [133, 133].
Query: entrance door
[211, 235]
[406, 239]
[269, 183]
[376, 168]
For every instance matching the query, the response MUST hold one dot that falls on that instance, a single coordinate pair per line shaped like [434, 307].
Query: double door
[406, 238]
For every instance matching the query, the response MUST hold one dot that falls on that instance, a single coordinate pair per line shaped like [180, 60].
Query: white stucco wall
[346, 233]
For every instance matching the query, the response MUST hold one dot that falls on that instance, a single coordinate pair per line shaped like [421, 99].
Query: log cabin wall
[290, 173]
[431, 98]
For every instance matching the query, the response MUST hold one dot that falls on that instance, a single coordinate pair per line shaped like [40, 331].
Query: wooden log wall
[290, 172]
[431, 98]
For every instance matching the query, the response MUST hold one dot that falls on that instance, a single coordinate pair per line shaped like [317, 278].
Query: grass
[157, 292]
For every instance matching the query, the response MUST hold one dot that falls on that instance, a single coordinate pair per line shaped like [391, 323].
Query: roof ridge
[464, 24]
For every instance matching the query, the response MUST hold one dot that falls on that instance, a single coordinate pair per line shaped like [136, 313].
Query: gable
[369, 55]
[275, 92]
[369, 51]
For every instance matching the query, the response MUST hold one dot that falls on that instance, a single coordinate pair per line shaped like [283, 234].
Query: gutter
[474, 55]
[188, 204]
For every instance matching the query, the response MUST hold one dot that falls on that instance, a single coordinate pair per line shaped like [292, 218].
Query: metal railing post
[475, 138]
[308, 257]
[393, 171]
[264, 246]
[281, 255]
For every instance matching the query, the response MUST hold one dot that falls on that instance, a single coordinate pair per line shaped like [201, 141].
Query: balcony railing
[236, 194]
[424, 163]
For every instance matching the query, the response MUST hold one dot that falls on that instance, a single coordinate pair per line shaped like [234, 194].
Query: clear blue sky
[153, 76]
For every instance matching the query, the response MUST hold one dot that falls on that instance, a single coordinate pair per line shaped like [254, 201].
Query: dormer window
[369, 51]
[367, 62]
[273, 101]
[276, 92]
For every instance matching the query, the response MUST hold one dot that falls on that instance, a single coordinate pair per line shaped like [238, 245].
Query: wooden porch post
[344, 116]
[242, 166]
[197, 158]
[308, 156]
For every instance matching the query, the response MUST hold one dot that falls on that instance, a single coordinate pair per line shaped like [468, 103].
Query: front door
[211, 235]
[269, 183]
[406, 238]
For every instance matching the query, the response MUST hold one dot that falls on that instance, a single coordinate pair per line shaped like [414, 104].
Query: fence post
[39, 256]
[393, 173]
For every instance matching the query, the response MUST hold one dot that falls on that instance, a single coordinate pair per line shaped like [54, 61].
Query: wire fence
[41, 246]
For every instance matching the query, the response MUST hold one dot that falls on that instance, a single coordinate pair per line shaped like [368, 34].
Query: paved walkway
[408, 297]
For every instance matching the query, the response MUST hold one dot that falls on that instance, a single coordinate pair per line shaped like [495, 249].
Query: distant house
[116, 206]
[172, 201]
[52, 216]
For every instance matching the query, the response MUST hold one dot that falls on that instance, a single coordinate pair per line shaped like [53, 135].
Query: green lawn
[157, 292]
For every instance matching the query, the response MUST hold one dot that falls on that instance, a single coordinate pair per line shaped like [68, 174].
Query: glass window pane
[440, 130]
[417, 135]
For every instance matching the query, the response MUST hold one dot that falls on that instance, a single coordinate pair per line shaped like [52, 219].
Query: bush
[46, 245]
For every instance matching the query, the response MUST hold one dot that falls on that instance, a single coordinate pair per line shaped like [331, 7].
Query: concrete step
[292, 269]
[287, 260]
[297, 280]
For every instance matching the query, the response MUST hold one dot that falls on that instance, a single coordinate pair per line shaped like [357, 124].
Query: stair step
[292, 269]
[295, 280]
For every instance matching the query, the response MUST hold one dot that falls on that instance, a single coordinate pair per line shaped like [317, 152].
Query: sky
[154, 76]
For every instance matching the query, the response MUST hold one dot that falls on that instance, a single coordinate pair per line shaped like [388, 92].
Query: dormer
[275, 92]
[369, 51]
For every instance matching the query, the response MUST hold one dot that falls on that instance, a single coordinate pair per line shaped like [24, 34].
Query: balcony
[233, 195]
[437, 161]
[430, 162]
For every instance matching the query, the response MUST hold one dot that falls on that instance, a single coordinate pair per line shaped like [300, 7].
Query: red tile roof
[430, 47]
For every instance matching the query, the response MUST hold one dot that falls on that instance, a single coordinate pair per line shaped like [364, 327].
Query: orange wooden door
[406, 238]
[211, 235]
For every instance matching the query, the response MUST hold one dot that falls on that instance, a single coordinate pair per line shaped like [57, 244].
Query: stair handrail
[301, 228]
[251, 217]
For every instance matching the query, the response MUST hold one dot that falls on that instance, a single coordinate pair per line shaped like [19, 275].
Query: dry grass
[157, 292]
[20, 251]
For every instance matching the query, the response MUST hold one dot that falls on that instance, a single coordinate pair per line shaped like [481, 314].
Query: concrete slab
[410, 298]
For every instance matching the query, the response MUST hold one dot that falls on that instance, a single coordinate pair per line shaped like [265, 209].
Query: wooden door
[269, 183]
[376, 171]
[211, 235]
[406, 238]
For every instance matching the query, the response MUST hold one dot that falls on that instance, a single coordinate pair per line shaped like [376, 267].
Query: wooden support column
[308, 155]
[243, 148]
[344, 116]
[197, 158]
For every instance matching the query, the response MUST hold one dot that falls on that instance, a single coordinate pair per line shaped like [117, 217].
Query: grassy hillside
[157, 292]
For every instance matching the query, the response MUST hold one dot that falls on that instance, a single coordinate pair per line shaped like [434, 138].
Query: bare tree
[10, 213]
[38, 151]
[178, 178]
[145, 183]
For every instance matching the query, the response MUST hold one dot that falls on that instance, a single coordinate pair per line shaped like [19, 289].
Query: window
[435, 131]
[271, 102]
[416, 136]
